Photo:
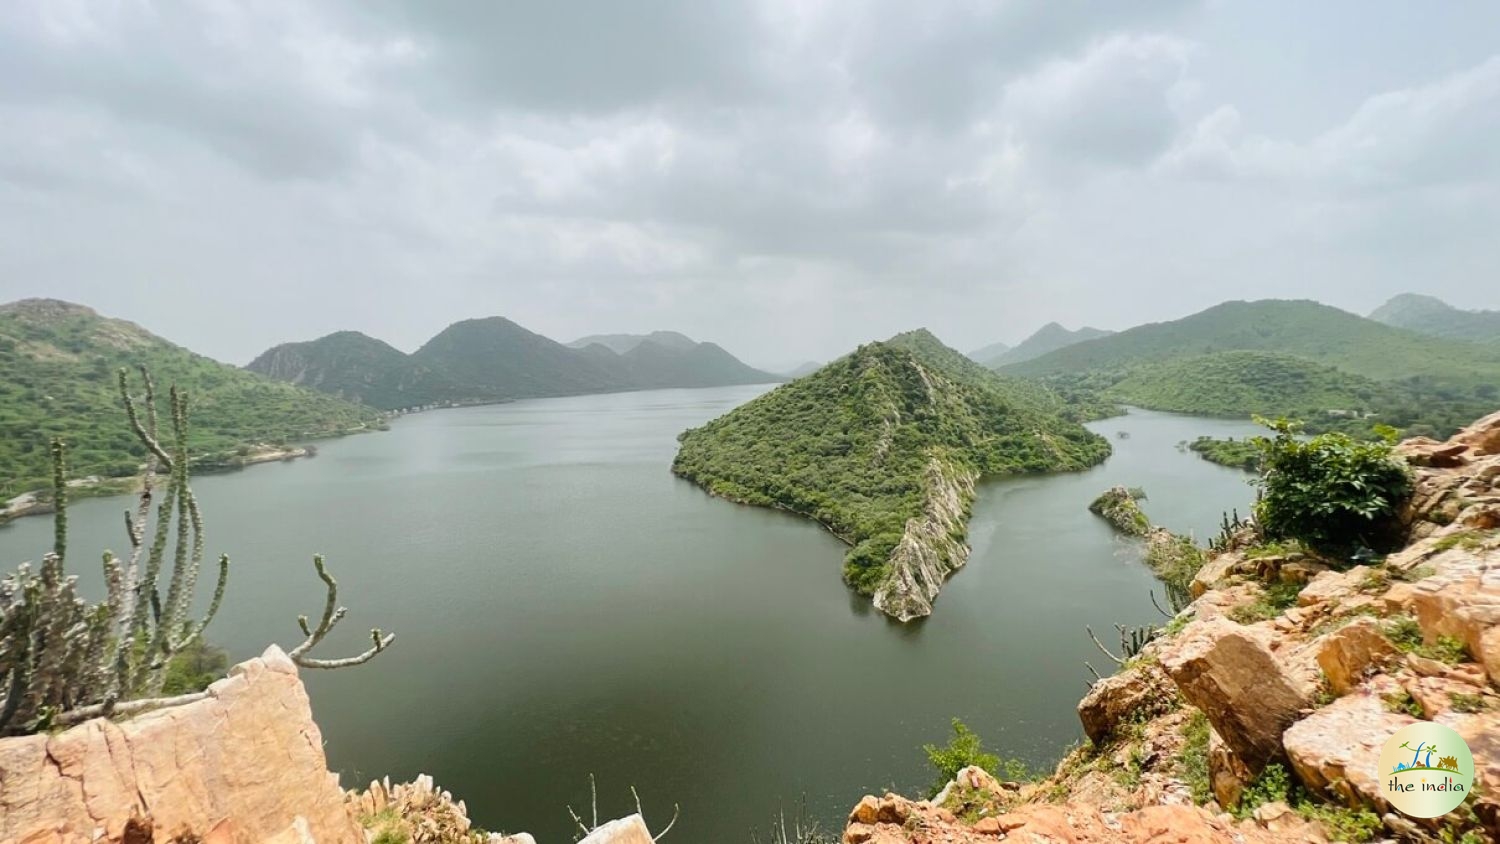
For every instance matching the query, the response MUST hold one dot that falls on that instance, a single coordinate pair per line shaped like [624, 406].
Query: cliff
[1258, 714]
[244, 765]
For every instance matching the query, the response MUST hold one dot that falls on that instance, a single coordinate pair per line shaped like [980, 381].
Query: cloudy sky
[785, 177]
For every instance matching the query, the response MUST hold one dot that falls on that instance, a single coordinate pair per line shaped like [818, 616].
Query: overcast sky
[787, 178]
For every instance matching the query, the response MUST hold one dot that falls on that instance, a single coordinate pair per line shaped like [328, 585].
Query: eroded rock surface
[244, 765]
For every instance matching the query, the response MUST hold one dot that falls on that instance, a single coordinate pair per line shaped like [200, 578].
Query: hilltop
[1302, 328]
[494, 359]
[1432, 316]
[1048, 338]
[359, 368]
[883, 447]
[58, 364]
[1275, 357]
[988, 355]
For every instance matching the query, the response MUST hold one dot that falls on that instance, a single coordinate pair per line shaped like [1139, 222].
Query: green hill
[58, 364]
[494, 359]
[1048, 338]
[1303, 328]
[1294, 358]
[1242, 383]
[883, 447]
[359, 368]
[1432, 316]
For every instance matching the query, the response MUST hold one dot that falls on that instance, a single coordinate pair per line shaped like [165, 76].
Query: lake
[564, 606]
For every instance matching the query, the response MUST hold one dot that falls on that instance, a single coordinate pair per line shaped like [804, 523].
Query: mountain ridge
[1435, 317]
[490, 359]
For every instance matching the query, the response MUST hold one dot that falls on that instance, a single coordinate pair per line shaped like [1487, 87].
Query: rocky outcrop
[1247, 678]
[928, 551]
[1349, 653]
[244, 765]
[627, 830]
[1228, 671]
[1120, 507]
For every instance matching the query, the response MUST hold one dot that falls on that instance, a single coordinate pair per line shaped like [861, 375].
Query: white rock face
[928, 551]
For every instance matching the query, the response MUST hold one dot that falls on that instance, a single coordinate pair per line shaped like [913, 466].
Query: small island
[883, 447]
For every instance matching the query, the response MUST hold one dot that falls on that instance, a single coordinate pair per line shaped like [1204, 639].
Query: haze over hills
[494, 359]
[883, 447]
[989, 354]
[622, 343]
[805, 368]
[1279, 357]
[58, 378]
[1432, 316]
[1048, 338]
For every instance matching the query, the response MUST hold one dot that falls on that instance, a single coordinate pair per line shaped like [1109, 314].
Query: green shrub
[1193, 761]
[1331, 492]
[963, 750]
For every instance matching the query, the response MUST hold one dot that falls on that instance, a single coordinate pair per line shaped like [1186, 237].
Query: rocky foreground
[1259, 712]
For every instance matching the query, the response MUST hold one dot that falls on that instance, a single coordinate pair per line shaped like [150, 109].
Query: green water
[565, 606]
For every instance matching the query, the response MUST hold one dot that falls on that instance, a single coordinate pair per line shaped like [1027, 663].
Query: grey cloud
[773, 175]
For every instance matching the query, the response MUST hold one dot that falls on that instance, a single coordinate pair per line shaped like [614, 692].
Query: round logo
[1426, 770]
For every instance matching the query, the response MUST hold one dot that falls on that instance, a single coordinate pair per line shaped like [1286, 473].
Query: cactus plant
[64, 659]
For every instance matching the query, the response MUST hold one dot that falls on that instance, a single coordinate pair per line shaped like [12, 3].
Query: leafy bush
[1331, 492]
[963, 750]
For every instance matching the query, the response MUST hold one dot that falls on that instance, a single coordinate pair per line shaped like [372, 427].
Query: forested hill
[58, 365]
[494, 359]
[883, 447]
[1302, 328]
[359, 368]
[1430, 315]
[1302, 359]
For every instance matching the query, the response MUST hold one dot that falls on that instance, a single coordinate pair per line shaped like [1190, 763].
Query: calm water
[565, 606]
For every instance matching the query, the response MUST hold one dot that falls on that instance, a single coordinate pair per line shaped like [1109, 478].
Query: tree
[1333, 492]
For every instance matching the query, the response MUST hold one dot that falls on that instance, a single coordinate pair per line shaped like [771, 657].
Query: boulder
[1461, 601]
[1229, 671]
[244, 764]
[1114, 699]
[1347, 654]
[627, 830]
[1227, 774]
[1425, 451]
[1335, 751]
[1481, 732]
[1481, 437]
[1332, 586]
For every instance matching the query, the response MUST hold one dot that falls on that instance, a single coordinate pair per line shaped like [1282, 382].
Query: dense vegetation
[1335, 370]
[851, 444]
[58, 365]
[494, 359]
[1331, 492]
[359, 368]
[1236, 454]
[1433, 316]
[1301, 328]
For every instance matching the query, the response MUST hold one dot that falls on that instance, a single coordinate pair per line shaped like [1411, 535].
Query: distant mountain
[622, 343]
[805, 368]
[1300, 359]
[883, 447]
[1302, 328]
[494, 359]
[988, 355]
[1432, 316]
[1049, 338]
[58, 365]
[359, 368]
